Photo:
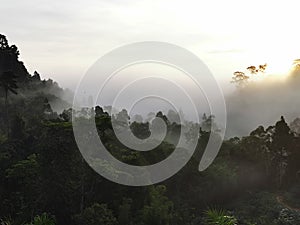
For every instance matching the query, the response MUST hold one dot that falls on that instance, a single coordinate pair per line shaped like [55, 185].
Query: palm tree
[9, 84]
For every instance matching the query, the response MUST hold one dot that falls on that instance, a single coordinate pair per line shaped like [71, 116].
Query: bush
[43, 219]
[218, 217]
[288, 217]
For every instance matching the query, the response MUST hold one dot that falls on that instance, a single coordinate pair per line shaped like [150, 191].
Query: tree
[14, 50]
[255, 70]
[257, 147]
[17, 128]
[3, 42]
[96, 214]
[23, 181]
[252, 69]
[280, 149]
[99, 112]
[163, 117]
[60, 172]
[66, 115]
[160, 208]
[4, 46]
[36, 76]
[9, 84]
[240, 79]
[262, 68]
[124, 216]
[140, 130]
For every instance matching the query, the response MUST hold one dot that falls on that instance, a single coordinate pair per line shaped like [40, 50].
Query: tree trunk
[6, 108]
[82, 186]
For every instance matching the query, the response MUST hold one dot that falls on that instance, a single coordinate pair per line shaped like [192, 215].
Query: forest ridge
[45, 180]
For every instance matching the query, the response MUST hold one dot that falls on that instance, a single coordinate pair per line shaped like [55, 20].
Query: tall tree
[160, 208]
[9, 84]
[280, 147]
[240, 79]
[8, 81]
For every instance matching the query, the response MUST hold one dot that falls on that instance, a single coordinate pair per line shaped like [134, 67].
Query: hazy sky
[61, 39]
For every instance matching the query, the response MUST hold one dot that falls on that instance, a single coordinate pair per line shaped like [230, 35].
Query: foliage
[95, 215]
[288, 217]
[218, 217]
[241, 79]
[159, 210]
[8, 82]
[6, 221]
[257, 207]
[42, 170]
[43, 219]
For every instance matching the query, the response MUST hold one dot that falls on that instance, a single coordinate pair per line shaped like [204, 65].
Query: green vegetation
[45, 181]
[216, 216]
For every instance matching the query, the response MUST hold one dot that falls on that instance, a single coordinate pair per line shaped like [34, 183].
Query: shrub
[218, 217]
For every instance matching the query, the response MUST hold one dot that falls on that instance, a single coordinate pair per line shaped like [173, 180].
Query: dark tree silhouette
[9, 84]
[281, 148]
[256, 70]
[241, 79]
[3, 42]
[252, 69]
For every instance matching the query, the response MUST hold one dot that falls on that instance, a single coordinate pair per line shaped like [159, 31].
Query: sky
[62, 39]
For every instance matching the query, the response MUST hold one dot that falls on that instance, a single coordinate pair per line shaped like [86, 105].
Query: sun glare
[279, 67]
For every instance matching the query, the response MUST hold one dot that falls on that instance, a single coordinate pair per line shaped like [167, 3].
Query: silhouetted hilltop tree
[100, 112]
[29, 104]
[28, 83]
[9, 60]
[241, 79]
[255, 70]
[281, 149]
[36, 76]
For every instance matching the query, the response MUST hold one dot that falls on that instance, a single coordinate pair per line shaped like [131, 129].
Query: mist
[263, 102]
[260, 102]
